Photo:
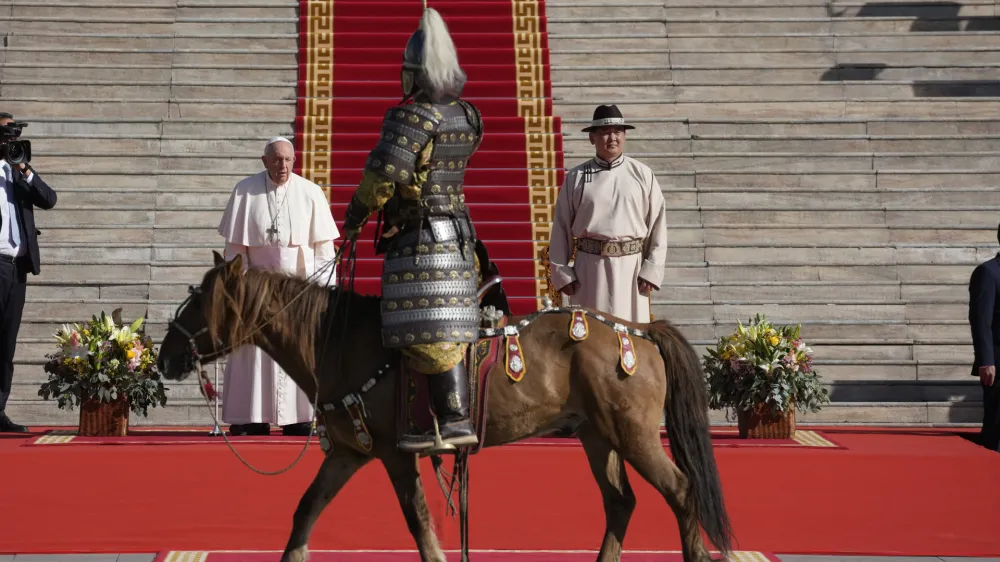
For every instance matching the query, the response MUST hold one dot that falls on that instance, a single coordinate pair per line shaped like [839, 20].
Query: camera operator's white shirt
[7, 245]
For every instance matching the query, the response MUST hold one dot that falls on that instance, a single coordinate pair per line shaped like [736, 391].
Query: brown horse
[301, 325]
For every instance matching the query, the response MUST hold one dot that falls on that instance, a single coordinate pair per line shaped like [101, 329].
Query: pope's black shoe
[7, 426]
[450, 398]
[298, 429]
[239, 429]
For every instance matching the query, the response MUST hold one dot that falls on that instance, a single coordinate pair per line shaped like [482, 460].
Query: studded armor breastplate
[429, 275]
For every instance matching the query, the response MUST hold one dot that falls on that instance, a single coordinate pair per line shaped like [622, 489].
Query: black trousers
[990, 436]
[13, 282]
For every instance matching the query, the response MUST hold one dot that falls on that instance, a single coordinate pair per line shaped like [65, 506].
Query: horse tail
[688, 429]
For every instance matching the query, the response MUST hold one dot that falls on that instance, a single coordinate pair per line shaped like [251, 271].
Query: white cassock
[613, 201]
[280, 227]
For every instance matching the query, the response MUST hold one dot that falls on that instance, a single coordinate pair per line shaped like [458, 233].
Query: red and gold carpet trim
[349, 61]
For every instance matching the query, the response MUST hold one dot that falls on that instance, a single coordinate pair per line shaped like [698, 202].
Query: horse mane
[293, 306]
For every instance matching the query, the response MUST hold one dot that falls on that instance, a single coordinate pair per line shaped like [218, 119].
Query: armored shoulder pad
[406, 131]
[474, 116]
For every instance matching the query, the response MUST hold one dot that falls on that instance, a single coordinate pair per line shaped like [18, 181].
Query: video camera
[13, 150]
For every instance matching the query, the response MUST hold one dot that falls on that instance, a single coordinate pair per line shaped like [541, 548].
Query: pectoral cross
[272, 233]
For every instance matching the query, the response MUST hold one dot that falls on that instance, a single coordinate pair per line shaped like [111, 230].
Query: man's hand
[645, 287]
[988, 375]
[570, 289]
[351, 233]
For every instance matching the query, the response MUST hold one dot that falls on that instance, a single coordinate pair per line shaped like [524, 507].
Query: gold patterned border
[539, 130]
[812, 439]
[317, 125]
[186, 556]
[56, 437]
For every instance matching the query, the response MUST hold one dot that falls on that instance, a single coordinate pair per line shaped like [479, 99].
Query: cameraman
[23, 190]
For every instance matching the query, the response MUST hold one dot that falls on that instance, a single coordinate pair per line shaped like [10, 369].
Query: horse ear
[219, 260]
[236, 265]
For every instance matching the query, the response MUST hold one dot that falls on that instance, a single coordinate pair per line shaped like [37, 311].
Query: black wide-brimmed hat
[607, 115]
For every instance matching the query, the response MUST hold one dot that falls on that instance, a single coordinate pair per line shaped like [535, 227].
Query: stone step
[730, 57]
[240, 130]
[163, 108]
[124, 144]
[809, 161]
[721, 272]
[149, 163]
[669, 109]
[150, 10]
[150, 57]
[805, 74]
[152, 73]
[153, 128]
[811, 74]
[154, 91]
[825, 144]
[763, 250]
[776, 177]
[775, 25]
[871, 126]
[205, 22]
[83, 39]
[573, 44]
[829, 91]
[794, 312]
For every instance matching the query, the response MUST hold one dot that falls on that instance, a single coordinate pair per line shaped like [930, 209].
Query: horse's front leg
[336, 470]
[404, 471]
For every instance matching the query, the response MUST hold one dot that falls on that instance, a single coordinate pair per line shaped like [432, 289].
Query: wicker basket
[761, 423]
[104, 419]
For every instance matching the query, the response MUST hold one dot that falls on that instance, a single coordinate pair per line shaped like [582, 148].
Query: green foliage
[760, 364]
[104, 359]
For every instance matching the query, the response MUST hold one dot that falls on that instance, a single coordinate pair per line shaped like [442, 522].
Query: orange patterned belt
[609, 248]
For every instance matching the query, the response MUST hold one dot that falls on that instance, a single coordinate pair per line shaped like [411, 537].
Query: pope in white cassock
[613, 208]
[281, 221]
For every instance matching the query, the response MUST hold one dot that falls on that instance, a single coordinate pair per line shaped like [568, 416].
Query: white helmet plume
[440, 64]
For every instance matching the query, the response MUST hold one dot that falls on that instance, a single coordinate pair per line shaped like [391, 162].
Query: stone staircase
[829, 164]
[143, 115]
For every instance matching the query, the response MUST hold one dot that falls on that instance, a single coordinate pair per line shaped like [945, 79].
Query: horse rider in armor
[413, 179]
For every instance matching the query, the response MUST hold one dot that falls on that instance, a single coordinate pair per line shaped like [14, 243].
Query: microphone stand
[216, 431]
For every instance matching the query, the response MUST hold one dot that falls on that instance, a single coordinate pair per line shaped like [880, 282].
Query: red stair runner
[349, 61]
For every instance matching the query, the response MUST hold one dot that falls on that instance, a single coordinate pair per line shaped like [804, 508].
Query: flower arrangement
[106, 361]
[761, 367]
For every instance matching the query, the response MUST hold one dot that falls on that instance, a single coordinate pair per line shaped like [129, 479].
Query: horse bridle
[194, 356]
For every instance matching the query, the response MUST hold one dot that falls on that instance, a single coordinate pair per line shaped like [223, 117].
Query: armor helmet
[430, 61]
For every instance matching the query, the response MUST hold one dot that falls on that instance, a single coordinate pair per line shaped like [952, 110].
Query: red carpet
[918, 493]
[349, 61]
[200, 436]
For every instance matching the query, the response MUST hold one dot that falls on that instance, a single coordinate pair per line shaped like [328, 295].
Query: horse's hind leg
[619, 500]
[404, 471]
[646, 454]
[336, 470]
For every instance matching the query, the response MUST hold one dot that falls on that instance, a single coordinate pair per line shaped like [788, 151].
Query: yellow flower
[130, 354]
[774, 340]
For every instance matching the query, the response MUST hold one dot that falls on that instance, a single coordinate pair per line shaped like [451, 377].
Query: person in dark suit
[23, 190]
[984, 319]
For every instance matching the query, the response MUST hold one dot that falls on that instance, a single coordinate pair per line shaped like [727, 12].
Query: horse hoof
[300, 554]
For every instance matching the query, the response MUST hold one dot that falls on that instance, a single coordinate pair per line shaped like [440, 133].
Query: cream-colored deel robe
[620, 200]
[256, 389]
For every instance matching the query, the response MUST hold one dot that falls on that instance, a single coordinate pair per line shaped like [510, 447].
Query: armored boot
[450, 399]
